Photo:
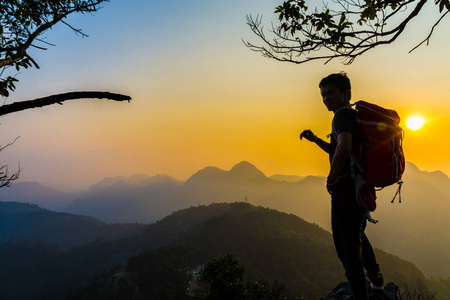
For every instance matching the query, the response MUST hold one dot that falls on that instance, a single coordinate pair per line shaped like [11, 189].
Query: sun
[415, 122]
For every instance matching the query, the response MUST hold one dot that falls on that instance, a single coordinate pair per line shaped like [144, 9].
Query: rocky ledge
[344, 292]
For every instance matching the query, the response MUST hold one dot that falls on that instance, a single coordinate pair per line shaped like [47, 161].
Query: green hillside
[23, 221]
[274, 247]
[33, 269]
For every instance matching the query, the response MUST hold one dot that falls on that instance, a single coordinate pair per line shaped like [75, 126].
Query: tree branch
[21, 48]
[304, 36]
[58, 99]
[9, 144]
[427, 39]
[6, 178]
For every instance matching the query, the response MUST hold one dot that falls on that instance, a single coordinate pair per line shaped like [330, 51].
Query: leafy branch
[347, 32]
[21, 25]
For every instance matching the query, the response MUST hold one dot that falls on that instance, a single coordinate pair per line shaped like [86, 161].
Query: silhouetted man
[348, 219]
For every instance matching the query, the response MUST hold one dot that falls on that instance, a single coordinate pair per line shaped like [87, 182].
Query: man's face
[333, 98]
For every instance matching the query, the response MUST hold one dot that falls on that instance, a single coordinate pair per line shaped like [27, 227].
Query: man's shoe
[375, 280]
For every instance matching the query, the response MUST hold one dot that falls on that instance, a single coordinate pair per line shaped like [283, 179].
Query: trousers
[353, 248]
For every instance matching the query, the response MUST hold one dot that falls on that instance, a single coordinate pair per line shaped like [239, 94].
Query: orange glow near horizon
[204, 99]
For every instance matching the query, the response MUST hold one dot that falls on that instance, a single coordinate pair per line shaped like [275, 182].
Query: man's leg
[348, 228]
[354, 261]
[370, 263]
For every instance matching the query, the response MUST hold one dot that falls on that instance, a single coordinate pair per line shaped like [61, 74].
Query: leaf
[441, 5]
[342, 18]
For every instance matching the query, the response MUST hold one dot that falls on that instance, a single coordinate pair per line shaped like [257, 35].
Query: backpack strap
[369, 218]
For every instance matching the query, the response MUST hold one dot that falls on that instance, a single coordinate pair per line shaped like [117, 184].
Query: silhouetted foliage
[223, 278]
[342, 29]
[22, 24]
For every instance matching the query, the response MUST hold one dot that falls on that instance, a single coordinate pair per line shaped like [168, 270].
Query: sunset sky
[201, 98]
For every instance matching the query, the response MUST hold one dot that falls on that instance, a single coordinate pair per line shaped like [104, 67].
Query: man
[348, 220]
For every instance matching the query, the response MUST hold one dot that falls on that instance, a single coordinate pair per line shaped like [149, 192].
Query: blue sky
[201, 98]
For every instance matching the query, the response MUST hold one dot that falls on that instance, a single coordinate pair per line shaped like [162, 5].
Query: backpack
[380, 161]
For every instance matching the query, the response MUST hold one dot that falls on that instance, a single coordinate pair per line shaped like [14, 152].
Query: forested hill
[422, 225]
[274, 246]
[22, 221]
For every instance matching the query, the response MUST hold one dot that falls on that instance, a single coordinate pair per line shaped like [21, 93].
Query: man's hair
[340, 80]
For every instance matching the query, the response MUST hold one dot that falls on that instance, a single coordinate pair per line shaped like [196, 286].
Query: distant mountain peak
[287, 178]
[132, 181]
[159, 179]
[245, 169]
[410, 165]
[207, 174]
[241, 171]
[137, 179]
[412, 168]
[243, 165]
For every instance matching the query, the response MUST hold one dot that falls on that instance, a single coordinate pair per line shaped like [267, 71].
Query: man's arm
[307, 134]
[343, 151]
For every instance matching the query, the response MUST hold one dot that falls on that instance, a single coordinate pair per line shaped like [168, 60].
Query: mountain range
[415, 229]
[35, 193]
[122, 201]
[274, 246]
[22, 221]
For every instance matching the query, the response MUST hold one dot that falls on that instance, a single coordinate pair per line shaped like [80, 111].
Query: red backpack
[380, 161]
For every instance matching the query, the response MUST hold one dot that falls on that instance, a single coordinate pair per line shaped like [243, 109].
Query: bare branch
[77, 31]
[9, 144]
[58, 99]
[427, 39]
[5, 177]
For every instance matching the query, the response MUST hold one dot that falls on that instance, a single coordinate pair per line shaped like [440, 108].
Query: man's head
[335, 90]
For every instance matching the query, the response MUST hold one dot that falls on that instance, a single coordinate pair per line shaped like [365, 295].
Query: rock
[344, 292]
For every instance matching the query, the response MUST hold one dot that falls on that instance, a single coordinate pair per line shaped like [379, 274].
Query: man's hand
[343, 151]
[310, 136]
[307, 134]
